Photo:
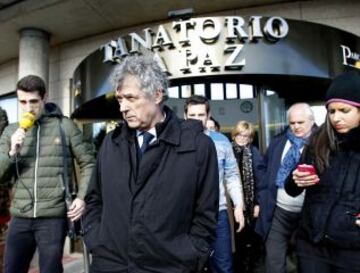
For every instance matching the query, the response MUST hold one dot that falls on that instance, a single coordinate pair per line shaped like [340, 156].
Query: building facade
[251, 58]
[43, 47]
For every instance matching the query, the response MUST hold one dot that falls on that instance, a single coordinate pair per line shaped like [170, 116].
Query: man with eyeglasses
[280, 213]
[32, 161]
[198, 107]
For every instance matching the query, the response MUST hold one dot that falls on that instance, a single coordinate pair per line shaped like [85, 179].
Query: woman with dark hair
[248, 243]
[329, 233]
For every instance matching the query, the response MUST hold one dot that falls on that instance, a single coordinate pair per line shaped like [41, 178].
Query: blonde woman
[248, 243]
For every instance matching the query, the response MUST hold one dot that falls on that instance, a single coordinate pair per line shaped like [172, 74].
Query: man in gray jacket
[32, 161]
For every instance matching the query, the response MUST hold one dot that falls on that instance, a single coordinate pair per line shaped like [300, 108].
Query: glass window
[173, 92]
[246, 91]
[217, 91]
[274, 116]
[199, 89]
[186, 91]
[231, 91]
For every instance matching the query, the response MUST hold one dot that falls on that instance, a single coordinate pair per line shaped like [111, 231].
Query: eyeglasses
[243, 136]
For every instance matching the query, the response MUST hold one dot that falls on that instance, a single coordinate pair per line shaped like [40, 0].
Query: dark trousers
[221, 260]
[25, 234]
[283, 225]
[97, 271]
[326, 259]
[250, 252]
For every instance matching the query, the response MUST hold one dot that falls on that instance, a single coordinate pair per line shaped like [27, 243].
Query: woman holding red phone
[329, 233]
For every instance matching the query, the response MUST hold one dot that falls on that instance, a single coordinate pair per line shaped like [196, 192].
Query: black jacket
[328, 207]
[161, 218]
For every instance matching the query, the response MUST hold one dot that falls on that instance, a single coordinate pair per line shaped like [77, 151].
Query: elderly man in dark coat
[280, 213]
[153, 199]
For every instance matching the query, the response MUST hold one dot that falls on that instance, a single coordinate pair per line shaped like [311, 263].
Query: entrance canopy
[292, 57]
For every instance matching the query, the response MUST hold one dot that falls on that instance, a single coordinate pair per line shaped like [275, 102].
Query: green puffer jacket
[39, 190]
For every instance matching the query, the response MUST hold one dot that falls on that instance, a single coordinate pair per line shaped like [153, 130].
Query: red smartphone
[306, 168]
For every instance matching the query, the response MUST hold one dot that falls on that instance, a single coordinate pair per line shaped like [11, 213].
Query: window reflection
[231, 91]
[217, 91]
[173, 92]
[186, 91]
[199, 89]
[246, 91]
[274, 115]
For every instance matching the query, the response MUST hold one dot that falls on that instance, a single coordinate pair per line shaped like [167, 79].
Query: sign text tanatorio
[199, 46]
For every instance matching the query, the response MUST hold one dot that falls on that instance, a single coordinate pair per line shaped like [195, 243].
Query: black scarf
[243, 156]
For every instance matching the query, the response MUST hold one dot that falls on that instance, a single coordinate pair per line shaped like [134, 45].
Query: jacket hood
[51, 110]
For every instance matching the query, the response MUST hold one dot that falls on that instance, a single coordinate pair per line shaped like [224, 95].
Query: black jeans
[25, 234]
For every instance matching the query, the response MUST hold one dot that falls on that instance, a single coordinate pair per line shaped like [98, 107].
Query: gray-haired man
[153, 199]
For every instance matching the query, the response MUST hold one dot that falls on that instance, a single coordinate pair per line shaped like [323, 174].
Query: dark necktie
[147, 137]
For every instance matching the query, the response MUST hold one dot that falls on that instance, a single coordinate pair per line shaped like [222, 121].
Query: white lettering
[234, 29]
[121, 49]
[162, 38]
[182, 27]
[230, 63]
[255, 28]
[346, 54]
[108, 51]
[276, 28]
[210, 31]
[137, 41]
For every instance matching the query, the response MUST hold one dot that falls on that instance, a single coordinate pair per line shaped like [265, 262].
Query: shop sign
[349, 57]
[199, 46]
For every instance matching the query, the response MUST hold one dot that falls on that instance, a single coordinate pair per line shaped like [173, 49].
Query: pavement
[72, 263]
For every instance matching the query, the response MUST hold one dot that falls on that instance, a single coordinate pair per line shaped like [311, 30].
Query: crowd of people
[163, 194]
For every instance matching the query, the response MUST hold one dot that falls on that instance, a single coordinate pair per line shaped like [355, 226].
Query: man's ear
[159, 96]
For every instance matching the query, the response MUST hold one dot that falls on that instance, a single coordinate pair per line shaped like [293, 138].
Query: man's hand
[239, 217]
[17, 140]
[76, 209]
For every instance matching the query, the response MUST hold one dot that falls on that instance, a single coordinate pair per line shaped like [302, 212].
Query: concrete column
[34, 53]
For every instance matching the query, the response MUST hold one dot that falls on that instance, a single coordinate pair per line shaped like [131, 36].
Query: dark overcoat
[267, 189]
[158, 215]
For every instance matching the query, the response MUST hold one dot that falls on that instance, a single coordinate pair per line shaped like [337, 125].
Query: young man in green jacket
[32, 161]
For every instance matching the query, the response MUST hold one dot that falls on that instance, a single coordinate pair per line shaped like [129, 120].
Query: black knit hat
[345, 88]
